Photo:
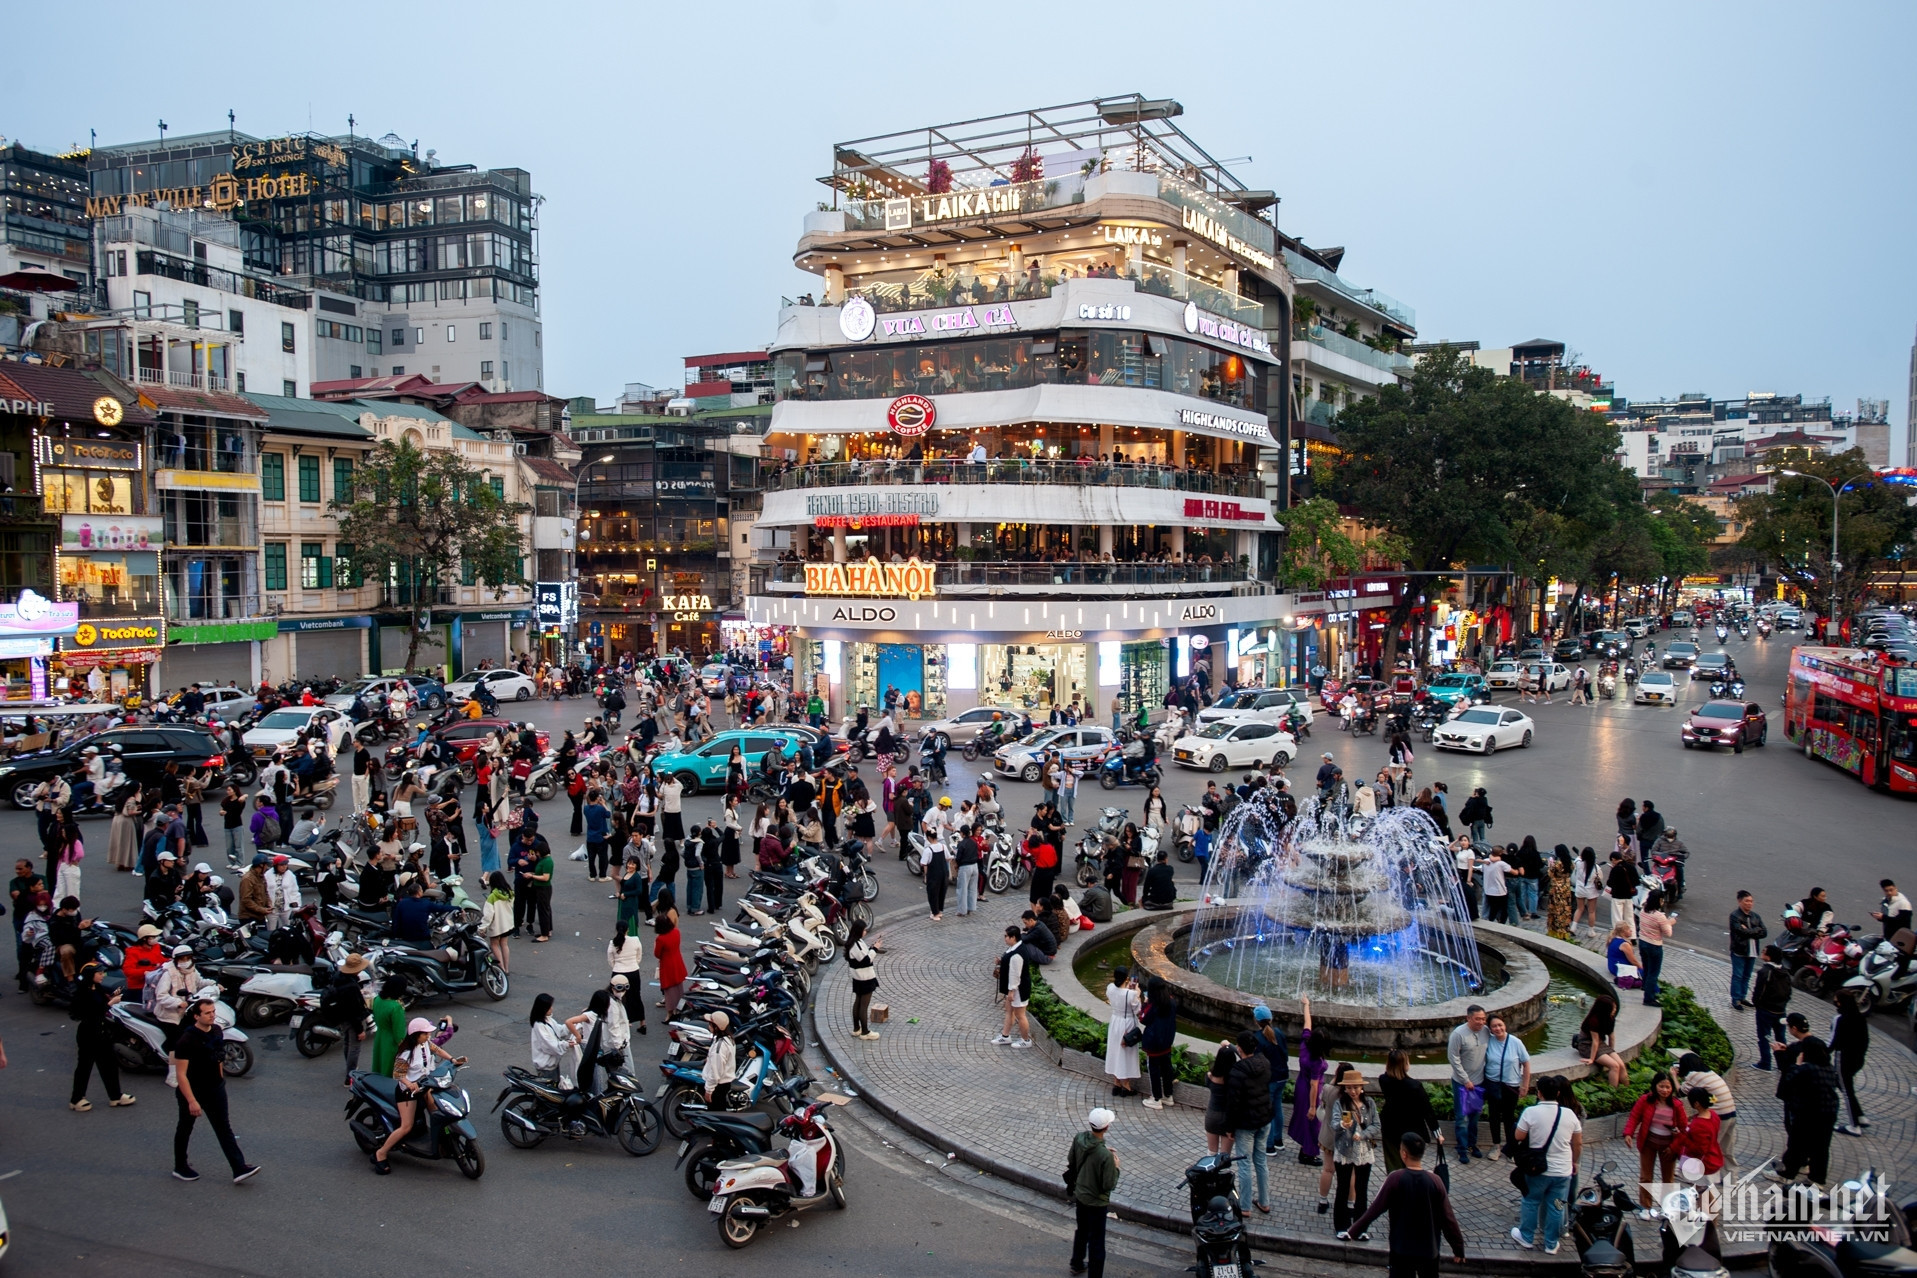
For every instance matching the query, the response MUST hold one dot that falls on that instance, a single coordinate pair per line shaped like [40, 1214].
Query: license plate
[1184, 754]
[718, 1205]
[1224, 1271]
[295, 1021]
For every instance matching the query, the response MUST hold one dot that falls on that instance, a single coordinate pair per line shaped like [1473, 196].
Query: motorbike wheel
[545, 790]
[969, 751]
[1808, 979]
[1153, 776]
[364, 1139]
[1866, 1000]
[835, 1185]
[1020, 874]
[870, 882]
[495, 982]
[702, 1168]
[1087, 874]
[325, 801]
[998, 878]
[309, 1042]
[671, 1112]
[244, 773]
[527, 1107]
[1184, 851]
[901, 752]
[1107, 781]
[734, 1229]
[237, 1060]
[828, 946]
[472, 1163]
[640, 1131]
[256, 1012]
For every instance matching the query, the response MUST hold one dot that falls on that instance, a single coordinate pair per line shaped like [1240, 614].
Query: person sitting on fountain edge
[1160, 889]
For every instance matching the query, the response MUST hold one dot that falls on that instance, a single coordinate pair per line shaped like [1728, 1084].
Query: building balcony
[1078, 473]
[186, 381]
[186, 609]
[961, 579]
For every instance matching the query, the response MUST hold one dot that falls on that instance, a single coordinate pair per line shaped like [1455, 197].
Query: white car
[1502, 674]
[963, 728]
[1226, 744]
[1655, 688]
[1486, 730]
[1258, 705]
[281, 726]
[1557, 676]
[1025, 759]
[1637, 627]
[505, 685]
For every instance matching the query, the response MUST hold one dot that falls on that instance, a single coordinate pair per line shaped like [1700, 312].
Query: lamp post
[576, 480]
[1830, 616]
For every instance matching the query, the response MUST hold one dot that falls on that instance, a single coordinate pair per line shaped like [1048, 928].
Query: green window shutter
[465, 572]
[343, 574]
[342, 479]
[499, 487]
[273, 480]
[309, 479]
[325, 571]
[276, 565]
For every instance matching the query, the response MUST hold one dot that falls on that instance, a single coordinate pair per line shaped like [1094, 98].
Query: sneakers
[1863, 1122]
[245, 1174]
[185, 1173]
[1002, 1040]
[1517, 1236]
[1494, 1155]
[123, 1100]
[1850, 1129]
[1169, 1102]
[1154, 1104]
[81, 1106]
[868, 1036]
[1021, 1042]
[1552, 1250]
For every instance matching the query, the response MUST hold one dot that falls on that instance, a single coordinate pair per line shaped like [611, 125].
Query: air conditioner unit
[520, 449]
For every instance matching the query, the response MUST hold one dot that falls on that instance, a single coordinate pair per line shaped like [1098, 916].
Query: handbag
[1529, 1160]
[1133, 1036]
[1581, 1043]
[1443, 1171]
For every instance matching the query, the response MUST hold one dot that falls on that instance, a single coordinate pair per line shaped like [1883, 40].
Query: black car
[145, 751]
[1615, 644]
[1568, 650]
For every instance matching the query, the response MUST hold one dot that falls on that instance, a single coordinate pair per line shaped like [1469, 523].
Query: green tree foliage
[1788, 531]
[1316, 548]
[415, 519]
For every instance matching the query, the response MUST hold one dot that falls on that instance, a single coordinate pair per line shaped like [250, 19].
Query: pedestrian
[669, 963]
[1271, 1044]
[91, 1005]
[1579, 681]
[1587, 885]
[1044, 854]
[1355, 1130]
[859, 956]
[1650, 828]
[1849, 1041]
[1654, 927]
[1306, 1093]
[1622, 883]
[596, 818]
[1476, 814]
[1595, 1040]
[1627, 827]
[936, 868]
[966, 860]
[1067, 792]
[1693, 1075]
[343, 1006]
[1658, 1120]
[389, 1024]
[1465, 1051]
[1550, 1141]
[711, 844]
[1771, 996]
[1404, 1109]
[1014, 975]
[538, 886]
[1748, 931]
[1091, 1174]
[1123, 1031]
[196, 1058]
[1421, 1215]
[1158, 1020]
[1809, 1092]
[1248, 1104]
[624, 953]
[1219, 1132]
[632, 893]
[1557, 893]
[694, 849]
[1507, 1077]
[1497, 899]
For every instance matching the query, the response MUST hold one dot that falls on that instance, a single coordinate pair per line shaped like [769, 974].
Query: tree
[1463, 465]
[1316, 548]
[413, 518]
[1787, 530]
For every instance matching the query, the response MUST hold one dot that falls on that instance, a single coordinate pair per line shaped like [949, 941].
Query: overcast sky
[1695, 197]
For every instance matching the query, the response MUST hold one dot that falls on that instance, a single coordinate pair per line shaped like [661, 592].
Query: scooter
[1217, 1219]
[1114, 770]
[442, 1125]
[752, 1191]
[138, 1038]
[684, 1092]
[535, 1109]
[463, 965]
[1005, 869]
[1601, 1227]
[1859, 1233]
[1886, 977]
[721, 1137]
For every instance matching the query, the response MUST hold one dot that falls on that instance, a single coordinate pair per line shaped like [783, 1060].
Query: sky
[1694, 197]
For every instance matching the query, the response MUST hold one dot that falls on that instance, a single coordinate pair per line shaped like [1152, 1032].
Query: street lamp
[1830, 618]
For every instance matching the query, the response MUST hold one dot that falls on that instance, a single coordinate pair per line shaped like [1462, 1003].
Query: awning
[33, 279]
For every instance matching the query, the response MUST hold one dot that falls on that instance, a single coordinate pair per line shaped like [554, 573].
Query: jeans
[1478, 831]
[1467, 1128]
[695, 889]
[1066, 798]
[233, 845]
[1088, 1240]
[1741, 968]
[967, 888]
[1527, 896]
[1770, 1025]
[1247, 1139]
[1653, 956]
[1275, 1134]
[1544, 1195]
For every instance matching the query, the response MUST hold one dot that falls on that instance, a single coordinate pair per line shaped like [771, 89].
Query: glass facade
[1144, 676]
[1032, 677]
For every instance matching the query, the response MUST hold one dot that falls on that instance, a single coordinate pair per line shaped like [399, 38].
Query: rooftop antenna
[229, 125]
[349, 125]
[163, 130]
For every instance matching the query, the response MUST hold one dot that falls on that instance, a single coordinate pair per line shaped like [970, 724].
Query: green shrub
[1081, 1032]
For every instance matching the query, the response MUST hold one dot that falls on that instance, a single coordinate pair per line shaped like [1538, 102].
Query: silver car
[963, 728]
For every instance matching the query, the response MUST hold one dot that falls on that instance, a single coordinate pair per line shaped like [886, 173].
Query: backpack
[269, 832]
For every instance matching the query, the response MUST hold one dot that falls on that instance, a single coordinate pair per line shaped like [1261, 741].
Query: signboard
[863, 504]
[206, 481]
[12, 649]
[912, 579]
[1211, 508]
[1259, 431]
[34, 614]
[516, 615]
[865, 521]
[1218, 233]
[116, 632]
[556, 603]
[108, 411]
[110, 657]
[857, 319]
[996, 315]
[1205, 324]
[27, 407]
[94, 534]
[298, 625]
[88, 454]
[910, 415]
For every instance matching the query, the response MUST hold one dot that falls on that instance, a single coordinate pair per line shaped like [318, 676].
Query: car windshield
[471, 676]
[1723, 710]
[1216, 730]
[1686, 649]
[1712, 659]
[1448, 681]
[1478, 716]
[286, 719]
[360, 685]
[1505, 665]
[1656, 676]
[1237, 700]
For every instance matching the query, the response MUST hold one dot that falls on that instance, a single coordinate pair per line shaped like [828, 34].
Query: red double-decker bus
[1858, 712]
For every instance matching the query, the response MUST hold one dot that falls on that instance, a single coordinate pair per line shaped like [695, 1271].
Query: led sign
[1208, 508]
[1231, 425]
[1207, 325]
[910, 415]
[913, 579]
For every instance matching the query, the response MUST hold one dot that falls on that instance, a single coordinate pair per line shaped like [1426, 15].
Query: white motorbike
[748, 1192]
[139, 1038]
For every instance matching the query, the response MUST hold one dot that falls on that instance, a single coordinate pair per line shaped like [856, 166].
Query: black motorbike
[536, 1109]
[1217, 1219]
[718, 1136]
[461, 964]
[1601, 1227]
[1871, 1237]
[442, 1123]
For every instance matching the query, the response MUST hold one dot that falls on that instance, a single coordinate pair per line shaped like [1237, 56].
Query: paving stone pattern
[1015, 1111]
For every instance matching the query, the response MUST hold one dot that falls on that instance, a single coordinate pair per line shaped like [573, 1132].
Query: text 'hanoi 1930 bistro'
[1035, 423]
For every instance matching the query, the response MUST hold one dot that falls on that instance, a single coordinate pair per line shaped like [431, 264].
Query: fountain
[1362, 915]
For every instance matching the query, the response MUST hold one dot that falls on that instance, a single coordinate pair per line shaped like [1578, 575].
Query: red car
[465, 736]
[1732, 723]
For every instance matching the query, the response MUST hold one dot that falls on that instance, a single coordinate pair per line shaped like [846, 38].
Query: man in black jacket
[1248, 1102]
[1622, 883]
[1747, 933]
[1161, 888]
[1771, 996]
[1037, 939]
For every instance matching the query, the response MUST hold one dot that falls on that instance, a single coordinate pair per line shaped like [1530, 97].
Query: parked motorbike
[752, 1191]
[536, 1109]
[464, 964]
[685, 1089]
[1857, 1233]
[442, 1124]
[718, 1137]
[1886, 977]
[1601, 1227]
[138, 1039]
[1185, 827]
[1217, 1219]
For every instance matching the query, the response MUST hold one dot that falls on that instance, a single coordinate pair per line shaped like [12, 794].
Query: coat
[1121, 1061]
[1248, 1093]
[256, 901]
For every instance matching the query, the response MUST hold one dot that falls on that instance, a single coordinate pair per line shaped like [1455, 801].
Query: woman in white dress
[1121, 1058]
[1587, 885]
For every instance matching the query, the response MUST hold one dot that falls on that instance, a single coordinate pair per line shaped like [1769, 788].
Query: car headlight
[5, 768]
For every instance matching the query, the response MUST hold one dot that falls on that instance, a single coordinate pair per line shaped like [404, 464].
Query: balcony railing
[188, 381]
[1084, 473]
[188, 272]
[962, 576]
[1304, 269]
[1351, 348]
[187, 609]
[994, 282]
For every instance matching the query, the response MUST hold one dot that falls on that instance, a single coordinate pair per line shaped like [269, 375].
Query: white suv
[1258, 705]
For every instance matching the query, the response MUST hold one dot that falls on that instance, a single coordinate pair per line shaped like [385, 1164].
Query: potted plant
[938, 177]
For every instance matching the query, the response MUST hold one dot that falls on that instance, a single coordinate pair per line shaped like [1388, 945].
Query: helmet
[182, 951]
[945, 801]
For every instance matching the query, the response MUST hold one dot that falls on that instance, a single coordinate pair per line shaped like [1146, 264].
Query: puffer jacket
[1248, 1092]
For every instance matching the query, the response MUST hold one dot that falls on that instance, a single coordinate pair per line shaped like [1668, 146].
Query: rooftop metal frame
[1130, 130]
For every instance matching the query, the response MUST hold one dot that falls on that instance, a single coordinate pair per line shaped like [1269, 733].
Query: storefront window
[912, 674]
[127, 586]
[89, 492]
[1144, 676]
[1032, 676]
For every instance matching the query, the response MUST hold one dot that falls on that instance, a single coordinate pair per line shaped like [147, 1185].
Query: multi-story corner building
[1031, 433]
[43, 215]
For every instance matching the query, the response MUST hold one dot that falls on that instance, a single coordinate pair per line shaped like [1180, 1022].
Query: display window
[1032, 677]
[88, 492]
[1144, 676]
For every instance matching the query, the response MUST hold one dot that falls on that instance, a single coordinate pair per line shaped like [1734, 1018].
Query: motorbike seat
[1601, 1254]
[753, 1119]
[380, 1087]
